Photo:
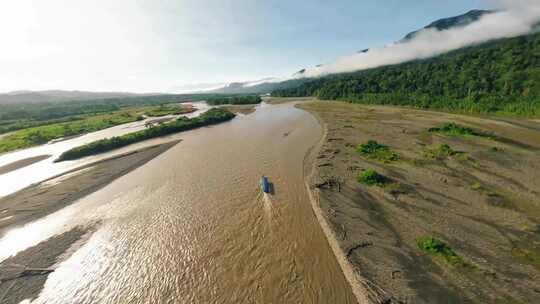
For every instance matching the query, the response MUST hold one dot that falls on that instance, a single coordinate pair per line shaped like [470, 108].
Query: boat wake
[267, 203]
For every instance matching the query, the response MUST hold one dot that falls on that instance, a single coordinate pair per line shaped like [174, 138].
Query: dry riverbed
[22, 276]
[480, 201]
[22, 163]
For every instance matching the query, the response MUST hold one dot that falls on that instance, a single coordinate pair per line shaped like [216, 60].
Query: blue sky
[143, 46]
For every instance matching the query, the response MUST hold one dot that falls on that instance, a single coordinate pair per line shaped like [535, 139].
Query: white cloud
[517, 17]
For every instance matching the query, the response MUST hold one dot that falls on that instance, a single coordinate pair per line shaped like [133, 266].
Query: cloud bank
[514, 18]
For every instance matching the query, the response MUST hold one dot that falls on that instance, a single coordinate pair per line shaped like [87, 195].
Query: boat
[265, 186]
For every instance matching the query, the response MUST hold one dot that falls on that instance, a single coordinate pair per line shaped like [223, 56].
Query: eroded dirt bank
[482, 201]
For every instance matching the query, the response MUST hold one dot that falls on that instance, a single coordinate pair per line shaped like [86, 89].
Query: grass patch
[433, 246]
[38, 135]
[376, 151]
[454, 129]
[476, 186]
[441, 152]
[526, 256]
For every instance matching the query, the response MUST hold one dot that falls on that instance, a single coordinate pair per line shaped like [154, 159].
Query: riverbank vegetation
[16, 116]
[78, 125]
[169, 109]
[41, 135]
[371, 177]
[500, 77]
[213, 116]
[373, 150]
[453, 129]
[234, 100]
[436, 247]
[22, 115]
[441, 152]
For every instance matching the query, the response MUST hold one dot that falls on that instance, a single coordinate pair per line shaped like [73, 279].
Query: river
[192, 226]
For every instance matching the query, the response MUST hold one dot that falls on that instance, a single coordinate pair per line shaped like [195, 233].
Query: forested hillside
[501, 77]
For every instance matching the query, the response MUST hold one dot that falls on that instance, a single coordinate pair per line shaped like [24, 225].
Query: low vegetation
[441, 152]
[527, 255]
[169, 109]
[371, 177]
[234, 100]
[210, 117]
[499, 77]
[454, 129]
[22, 115]
[78, 125]
[433, 246]
[376, 151]
[40, 135]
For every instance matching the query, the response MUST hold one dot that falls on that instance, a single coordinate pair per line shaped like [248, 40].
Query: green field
[169, 109]
[34, 136]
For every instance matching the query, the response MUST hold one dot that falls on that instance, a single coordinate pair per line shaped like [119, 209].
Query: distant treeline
[210, 117]
[21, 115]
[234, 100]
[499, 77]
[55, 110]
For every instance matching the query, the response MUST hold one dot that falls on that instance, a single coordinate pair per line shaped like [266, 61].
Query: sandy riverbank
[23, 275]
[352, 275]
[22, 163]
[53, 194]
[485, 205]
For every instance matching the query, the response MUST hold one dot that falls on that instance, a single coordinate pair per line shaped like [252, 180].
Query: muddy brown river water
[192, 226]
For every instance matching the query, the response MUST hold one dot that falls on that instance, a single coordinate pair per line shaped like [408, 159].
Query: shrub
[433, 246]
[372, 178]
[454, 129]
[210, 117]
[374, 150]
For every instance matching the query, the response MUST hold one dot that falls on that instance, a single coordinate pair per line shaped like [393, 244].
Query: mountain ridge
[440, 24]
[450, 22]
[61, 95]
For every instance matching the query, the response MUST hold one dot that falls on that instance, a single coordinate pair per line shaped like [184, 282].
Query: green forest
[212, 116]
[234, 100]
[499, 77]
